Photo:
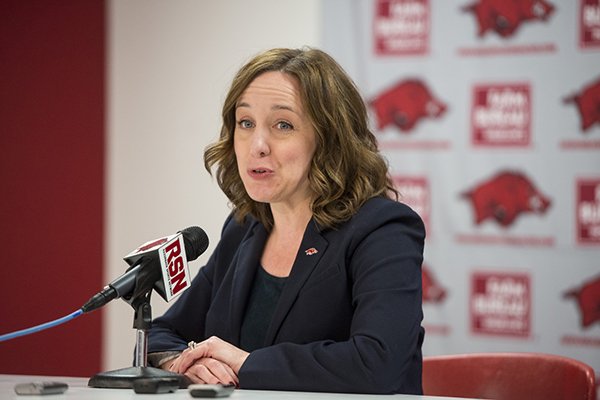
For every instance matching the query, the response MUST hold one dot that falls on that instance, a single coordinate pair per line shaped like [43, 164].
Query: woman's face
[274, 141]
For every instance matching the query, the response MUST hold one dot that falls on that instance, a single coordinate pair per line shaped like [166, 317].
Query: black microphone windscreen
[196, 242]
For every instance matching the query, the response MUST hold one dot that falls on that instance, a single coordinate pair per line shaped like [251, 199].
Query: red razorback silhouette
[588, 104]
[588, 301]
[504, 197]
[405, 104]
[505, 16]
[433, 292]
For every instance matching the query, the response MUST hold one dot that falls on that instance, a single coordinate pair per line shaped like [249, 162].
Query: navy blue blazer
[348, 319]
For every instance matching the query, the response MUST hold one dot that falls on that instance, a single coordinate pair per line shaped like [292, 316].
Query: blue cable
[40, 327]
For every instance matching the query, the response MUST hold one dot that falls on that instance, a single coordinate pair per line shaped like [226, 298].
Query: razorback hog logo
[405, 104]
[433, 292]
[588, 104]
[503, 197]
[505, 16]
[588, 301]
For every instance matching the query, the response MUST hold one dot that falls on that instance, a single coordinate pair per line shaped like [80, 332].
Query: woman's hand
[204, 370]
[215, 350]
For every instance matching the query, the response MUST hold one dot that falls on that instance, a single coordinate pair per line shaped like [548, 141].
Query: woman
[316, 282]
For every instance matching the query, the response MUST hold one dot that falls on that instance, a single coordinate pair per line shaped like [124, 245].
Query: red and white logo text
[589, 22]
[177, 269]
[588, 211]
[500, 304]
[415, 192]
[501, 115]
[401, 27]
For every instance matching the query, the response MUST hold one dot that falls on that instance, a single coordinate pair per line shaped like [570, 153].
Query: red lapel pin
[311, 251]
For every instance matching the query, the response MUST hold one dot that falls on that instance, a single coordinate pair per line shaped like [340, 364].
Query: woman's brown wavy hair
[346, 169]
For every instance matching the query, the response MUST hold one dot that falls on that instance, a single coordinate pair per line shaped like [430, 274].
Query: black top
[266, 291]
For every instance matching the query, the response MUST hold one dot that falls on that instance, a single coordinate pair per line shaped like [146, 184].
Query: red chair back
[510, 376]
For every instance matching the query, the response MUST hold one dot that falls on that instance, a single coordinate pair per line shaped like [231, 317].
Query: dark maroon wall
[52, 63]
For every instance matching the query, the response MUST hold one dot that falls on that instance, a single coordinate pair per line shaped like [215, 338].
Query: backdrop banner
[488, 112]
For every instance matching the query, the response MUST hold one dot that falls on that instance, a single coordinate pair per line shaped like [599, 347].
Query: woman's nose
[260, 144]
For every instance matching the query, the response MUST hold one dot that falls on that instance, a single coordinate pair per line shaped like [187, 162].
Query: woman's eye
[286, 126]
[245, 124]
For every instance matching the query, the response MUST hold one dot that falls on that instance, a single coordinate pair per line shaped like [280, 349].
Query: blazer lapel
[311, 250]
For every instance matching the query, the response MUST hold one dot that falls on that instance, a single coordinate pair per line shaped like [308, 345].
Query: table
[78, 389]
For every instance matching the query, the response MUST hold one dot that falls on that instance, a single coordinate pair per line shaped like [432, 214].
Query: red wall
[52, 63]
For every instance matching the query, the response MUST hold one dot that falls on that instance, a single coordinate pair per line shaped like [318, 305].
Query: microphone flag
[174, 268]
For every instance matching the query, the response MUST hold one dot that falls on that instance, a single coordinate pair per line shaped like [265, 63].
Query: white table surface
[78, 389]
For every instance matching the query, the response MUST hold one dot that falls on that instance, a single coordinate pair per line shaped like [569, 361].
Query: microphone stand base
[123, 378]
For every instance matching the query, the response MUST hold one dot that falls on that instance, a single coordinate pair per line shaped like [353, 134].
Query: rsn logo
[504, 197]
[176, 266]
[506, 16]
[405, 104]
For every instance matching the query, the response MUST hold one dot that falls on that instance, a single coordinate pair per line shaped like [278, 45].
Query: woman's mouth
[259, 172]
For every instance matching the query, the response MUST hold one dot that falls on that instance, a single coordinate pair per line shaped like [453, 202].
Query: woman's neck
[284, 240]
[288, 220]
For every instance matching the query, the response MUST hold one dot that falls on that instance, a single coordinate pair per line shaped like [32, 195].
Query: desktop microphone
[160, 264]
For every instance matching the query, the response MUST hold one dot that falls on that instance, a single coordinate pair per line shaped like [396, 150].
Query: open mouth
[259, 172]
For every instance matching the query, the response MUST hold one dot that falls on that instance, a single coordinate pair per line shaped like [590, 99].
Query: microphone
[166, 257]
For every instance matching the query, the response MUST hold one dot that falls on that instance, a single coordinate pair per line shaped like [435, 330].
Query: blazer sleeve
[383, 255]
